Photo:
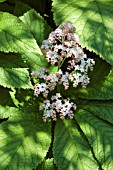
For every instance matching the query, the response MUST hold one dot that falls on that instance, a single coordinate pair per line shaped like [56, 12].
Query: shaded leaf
[5, 98]
[15, 77]
[21, 8]
[71, 150]
[24, 141]
[99, 134]
[6, 7]
[39, 6]
[94, 23]
[101, 91]
[11, 60]
[103, 110]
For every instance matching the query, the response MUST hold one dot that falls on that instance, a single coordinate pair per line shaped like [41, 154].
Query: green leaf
[71, 150]
[11, 60]
[2, 1]
[15, 36]
[24, 141]
[53, 69]
[99, 91]
[15, 100]
[49, 164]
[99, 133]
[15, 77]
[5, 98]
[40, 6]
[6, 111]
[93, 21]
[6, 7]
[36, 24]
[34, 60]
[103, 110]
[20, 8]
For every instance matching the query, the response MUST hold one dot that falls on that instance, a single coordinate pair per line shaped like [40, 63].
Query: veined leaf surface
[15, 77]
[15, 36]
[71, 150]
[37, 25]
[6, 111]
[99, 134]
[24, 141]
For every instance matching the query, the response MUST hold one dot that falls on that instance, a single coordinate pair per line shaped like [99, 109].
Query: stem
[58, 39]
[62, 62]
[58, 65]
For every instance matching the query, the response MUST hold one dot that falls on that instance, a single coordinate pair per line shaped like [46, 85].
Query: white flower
[64, 78]
[42, 87]
[59, 71]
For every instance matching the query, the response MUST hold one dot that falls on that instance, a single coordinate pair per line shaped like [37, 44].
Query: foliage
[26, 142]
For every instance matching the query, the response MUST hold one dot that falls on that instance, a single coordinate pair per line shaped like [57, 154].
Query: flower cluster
[63, 44]
[57, 106]
[62, 47]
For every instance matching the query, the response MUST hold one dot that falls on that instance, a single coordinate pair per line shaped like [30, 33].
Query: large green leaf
[99, 133]
[15, 77]
[37, 25]
[103, 110]
[24, 141]
[71, 150]
[93, 21]
[15, 36]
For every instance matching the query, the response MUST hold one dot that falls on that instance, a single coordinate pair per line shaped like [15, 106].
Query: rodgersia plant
[56, 85]
[62, 46]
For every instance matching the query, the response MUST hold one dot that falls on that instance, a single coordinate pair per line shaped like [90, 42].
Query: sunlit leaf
[24, 141]
[37, 25]
[71, 150]
[15, 36]
[15, 77]
[6, 111]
